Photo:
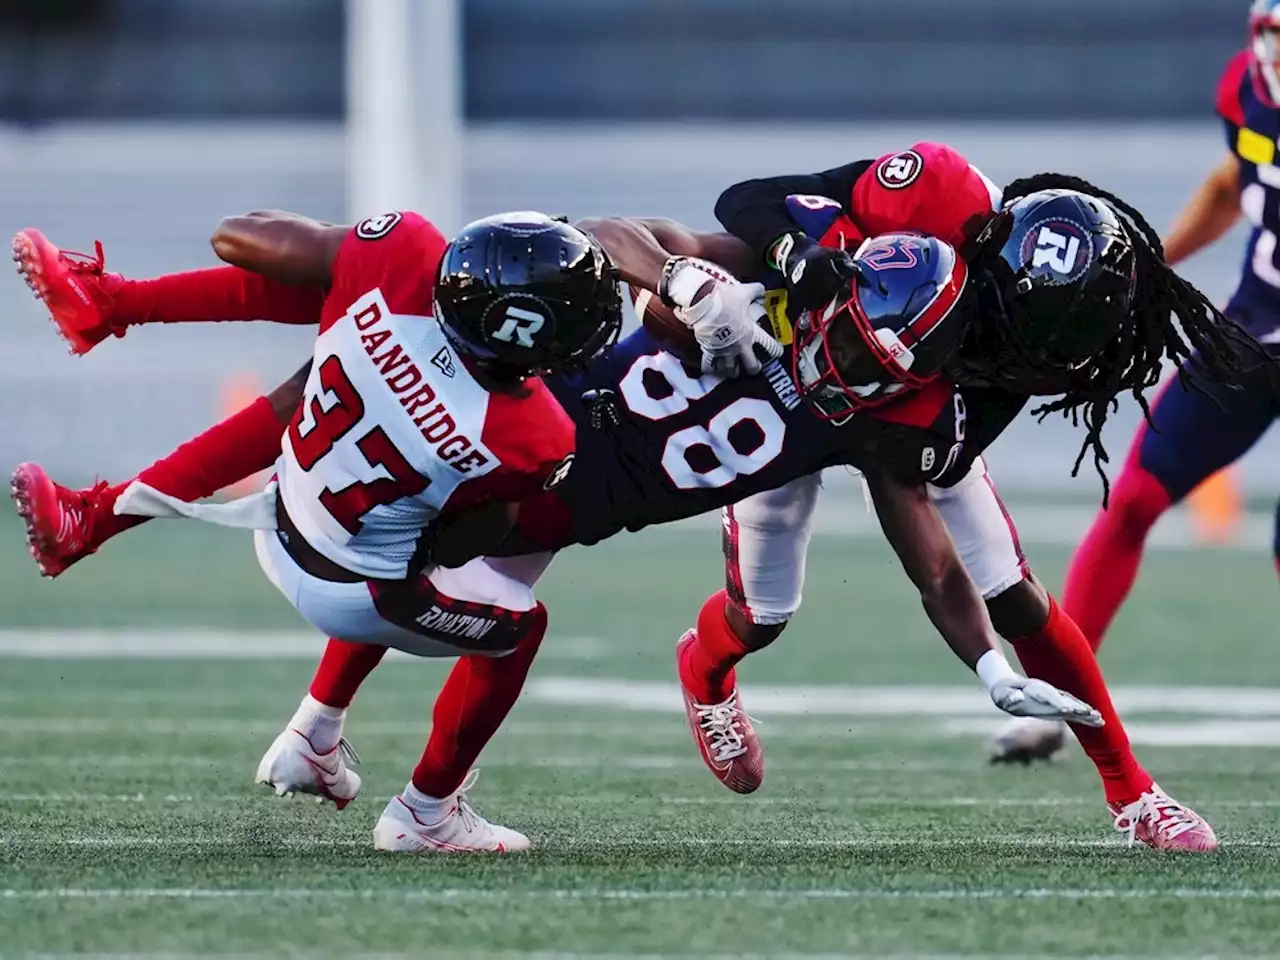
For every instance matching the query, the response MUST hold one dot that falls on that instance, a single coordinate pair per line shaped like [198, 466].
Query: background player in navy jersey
[1194, 432]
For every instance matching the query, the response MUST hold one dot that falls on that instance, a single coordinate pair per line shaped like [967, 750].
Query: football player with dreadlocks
[1076, 300]
[1197, 426]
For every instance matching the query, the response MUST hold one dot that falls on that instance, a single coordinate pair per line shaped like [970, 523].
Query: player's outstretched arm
[916, 531]
[917, 534]
[640, 247]
[668, 258]
[282, 246]
[1211, 212]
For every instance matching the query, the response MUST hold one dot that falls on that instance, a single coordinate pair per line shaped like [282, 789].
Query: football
[661, 321]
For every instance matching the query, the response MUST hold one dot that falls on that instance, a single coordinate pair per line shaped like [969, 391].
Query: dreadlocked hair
[1169, 317]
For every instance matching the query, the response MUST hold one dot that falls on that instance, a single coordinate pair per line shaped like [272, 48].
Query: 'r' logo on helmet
[519, 326]
[1060, 245]
[900, 170]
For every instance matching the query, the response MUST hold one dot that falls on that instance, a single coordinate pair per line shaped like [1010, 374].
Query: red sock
[706, 668]
[342, 669]
[226, 453]
[1103, 568]
[1059, 654]
[218, 293]
[476, 698]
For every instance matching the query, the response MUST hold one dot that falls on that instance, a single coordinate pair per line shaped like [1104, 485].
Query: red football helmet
[900, 320]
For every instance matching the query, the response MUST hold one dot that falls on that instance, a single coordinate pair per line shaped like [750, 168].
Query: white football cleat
[1024, 739]
[292, 765]
[400, 829]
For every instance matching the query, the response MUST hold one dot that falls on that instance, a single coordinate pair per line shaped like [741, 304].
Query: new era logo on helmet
[900, 170]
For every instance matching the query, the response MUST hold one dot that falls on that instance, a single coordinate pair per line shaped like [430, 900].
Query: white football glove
[1022, 697]
[726, 321]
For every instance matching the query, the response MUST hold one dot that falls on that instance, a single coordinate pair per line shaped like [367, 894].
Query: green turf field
[128, 823]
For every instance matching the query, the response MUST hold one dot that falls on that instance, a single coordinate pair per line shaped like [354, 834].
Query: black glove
[814, 274]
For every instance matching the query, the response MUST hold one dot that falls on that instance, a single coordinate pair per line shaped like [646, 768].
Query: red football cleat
[73, 286]
[1160, 821]
[60, 522]
[723, 732]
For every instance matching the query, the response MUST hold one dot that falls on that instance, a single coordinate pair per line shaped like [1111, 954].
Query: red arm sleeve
[1227, 99]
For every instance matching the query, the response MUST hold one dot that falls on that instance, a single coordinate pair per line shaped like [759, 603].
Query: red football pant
[240, 446]
[476, 698]
[707, 666]
[1059, 654]
[342, 668]
[1103, 568]
[245, 443]
[217, 294]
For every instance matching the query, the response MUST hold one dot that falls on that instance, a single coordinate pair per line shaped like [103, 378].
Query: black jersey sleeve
[943, 452]
[755, 211]
[987, 412]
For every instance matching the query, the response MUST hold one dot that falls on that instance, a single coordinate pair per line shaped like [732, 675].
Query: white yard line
[895, 700]
[591, 895]
[561, 955]
[854, 800]
[565, 845]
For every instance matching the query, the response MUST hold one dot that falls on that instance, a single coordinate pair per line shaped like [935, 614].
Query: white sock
[428, 809]
[319, 723]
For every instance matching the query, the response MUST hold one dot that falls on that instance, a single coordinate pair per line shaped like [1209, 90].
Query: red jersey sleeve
[534, 440]
[1227, 100]
[397, 252]
[930, 189]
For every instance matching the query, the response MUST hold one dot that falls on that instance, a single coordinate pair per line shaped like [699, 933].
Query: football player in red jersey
[1066, 283]
[421, 404]
[1194, 432]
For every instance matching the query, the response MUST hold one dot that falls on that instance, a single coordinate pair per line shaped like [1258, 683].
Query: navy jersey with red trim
[657, 442]
[1253, 131]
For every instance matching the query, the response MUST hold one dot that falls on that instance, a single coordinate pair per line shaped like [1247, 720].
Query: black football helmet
[1057, 268]
[893, 328]
[524, 293]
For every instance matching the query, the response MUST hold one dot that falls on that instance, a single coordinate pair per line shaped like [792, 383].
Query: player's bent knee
[753, 634]
[1020, 610]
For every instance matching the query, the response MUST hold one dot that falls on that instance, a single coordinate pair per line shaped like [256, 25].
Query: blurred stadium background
[137, 692]
[141, 122]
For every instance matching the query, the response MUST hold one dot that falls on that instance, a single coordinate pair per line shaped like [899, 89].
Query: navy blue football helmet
[1058, 269]
[896, 325]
